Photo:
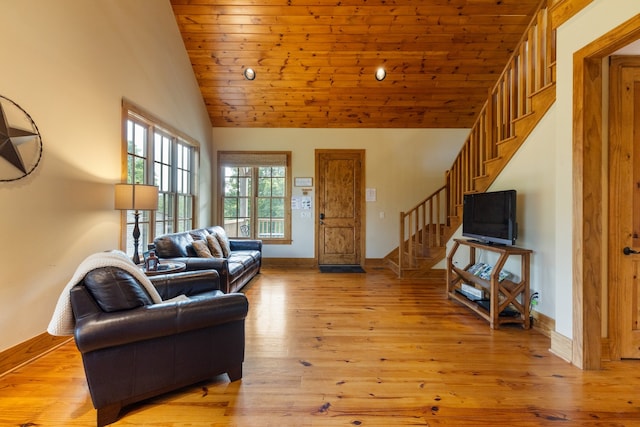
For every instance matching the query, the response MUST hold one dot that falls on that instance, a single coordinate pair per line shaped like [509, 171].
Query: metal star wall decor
[20, 142]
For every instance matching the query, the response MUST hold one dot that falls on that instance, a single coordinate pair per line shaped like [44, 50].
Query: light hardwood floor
[355, 350]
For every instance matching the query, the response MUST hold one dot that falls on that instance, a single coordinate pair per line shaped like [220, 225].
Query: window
[159, 155]
[255, 195]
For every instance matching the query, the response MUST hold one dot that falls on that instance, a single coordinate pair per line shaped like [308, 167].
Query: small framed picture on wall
[303, 182]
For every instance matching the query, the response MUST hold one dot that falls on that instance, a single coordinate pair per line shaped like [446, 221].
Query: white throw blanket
[62, 321]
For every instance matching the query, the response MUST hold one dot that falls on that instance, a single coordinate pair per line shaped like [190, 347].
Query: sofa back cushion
[173, 245]
[177, 245]
[115, 289]
[199, 234]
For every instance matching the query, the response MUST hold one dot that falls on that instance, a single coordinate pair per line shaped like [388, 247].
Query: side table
[502, 293]
[165, 268]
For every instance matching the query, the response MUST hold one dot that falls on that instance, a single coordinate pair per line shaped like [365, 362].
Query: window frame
[177, 140]
[251, 162]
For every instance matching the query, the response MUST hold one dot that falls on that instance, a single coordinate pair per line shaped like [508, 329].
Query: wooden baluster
[521, 81]
[412, 242]
[438, 227]
[401, 245]
[530, 68]
[541, 67]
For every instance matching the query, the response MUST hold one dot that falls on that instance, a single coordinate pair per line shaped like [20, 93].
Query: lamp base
[136, 238]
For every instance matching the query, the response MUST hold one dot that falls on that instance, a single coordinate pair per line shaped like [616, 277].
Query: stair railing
[530, 69]
[421, 228]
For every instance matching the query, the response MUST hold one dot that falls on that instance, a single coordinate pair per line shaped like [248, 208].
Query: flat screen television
[490, 217]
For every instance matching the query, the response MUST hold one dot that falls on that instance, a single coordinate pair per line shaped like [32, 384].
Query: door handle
[628, 251]
[321, 216]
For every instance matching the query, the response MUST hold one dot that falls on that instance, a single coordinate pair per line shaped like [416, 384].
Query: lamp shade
[136, 197]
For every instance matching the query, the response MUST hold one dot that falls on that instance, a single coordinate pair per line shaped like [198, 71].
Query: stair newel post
[438, 222]
[449, 209]
[423, 228]
[410, 254]
[431, 224]
[401, 245]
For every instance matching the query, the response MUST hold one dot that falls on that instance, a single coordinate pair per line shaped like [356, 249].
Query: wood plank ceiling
[315, 60]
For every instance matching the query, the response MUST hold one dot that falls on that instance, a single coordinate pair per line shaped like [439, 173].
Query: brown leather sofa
[133, 349]
[236, 270]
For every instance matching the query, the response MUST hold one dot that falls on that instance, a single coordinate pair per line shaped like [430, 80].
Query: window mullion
[150, 176]
[254, 203]
[174, 166]
[173, 183]
[192, 183]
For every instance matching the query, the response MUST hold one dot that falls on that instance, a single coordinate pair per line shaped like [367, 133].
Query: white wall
[532, 173]
[69, 63]
[403, 165]
[598, 18]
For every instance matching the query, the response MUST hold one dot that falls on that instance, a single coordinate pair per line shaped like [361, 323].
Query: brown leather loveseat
[236, 269]
[133, 348]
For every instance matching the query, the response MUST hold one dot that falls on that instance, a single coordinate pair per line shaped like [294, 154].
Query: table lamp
[136, 197]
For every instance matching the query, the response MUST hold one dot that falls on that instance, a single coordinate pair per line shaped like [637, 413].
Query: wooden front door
[340, 210]
[624, 208]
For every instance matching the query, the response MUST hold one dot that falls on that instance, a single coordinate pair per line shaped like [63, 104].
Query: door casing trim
[588, 260]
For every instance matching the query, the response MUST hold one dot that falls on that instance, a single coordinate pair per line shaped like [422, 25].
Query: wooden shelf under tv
[502, 294]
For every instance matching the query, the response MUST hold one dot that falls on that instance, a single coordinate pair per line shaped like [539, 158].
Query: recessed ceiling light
[249, 73]
[380, 74]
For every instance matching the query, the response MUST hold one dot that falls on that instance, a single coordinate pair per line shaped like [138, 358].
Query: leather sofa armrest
[245, 244]
[186, 283]
[103, 330]
[221, 265]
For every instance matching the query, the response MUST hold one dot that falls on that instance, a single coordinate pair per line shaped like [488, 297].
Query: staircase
[521, 97]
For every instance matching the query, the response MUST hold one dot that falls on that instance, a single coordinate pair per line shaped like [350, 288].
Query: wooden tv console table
[502, 294]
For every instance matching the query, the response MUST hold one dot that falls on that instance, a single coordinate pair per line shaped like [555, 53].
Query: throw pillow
[214, 246]
[221, 235]
[202, 249]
